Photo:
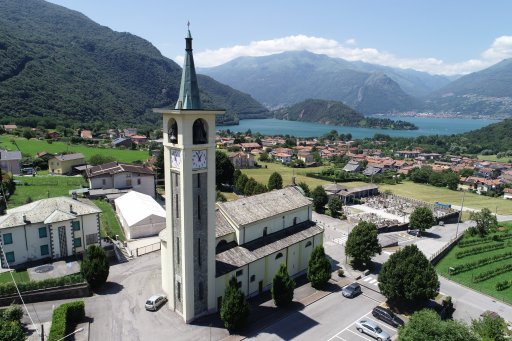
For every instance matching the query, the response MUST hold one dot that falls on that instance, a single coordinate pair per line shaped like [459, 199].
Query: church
[205, 244]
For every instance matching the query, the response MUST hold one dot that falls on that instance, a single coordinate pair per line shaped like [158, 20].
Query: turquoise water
[426, 125]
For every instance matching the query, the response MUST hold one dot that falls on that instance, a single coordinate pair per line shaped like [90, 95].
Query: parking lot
[350, 333]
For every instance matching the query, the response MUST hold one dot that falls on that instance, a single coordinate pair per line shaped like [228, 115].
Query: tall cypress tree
[234, 309]
[282, 287]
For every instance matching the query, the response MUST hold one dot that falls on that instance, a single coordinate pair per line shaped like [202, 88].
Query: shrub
[483, 276]
[65, 318]
[479, 249]
[341, 273]
[13, 313]
[95, 266]
[10, 289]
[503, 285]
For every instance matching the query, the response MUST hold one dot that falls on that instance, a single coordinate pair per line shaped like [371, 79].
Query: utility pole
[460, 213]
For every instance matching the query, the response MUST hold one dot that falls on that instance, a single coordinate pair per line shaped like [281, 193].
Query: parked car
[387, 316]
[372, 329]
[155, 302]
[351, 290]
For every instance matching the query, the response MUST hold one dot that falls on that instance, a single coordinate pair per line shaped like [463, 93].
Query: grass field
[19, 276]
[465, 278]
[432, 194]
[109, 225]
[41, 187]
[33, 146]
[494, 158]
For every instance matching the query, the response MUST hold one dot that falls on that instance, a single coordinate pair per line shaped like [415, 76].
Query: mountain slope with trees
[336, 113]
[58, 66]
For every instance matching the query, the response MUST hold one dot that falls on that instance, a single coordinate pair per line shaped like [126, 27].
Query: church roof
[189, 90]
[239, 256]
[222, 226]
[262, 206]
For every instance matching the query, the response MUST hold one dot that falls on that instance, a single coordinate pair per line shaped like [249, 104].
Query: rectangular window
[239, 273]
[10, 257]
[7, 238]
[177, 207]
[198, 180]
[253, 278]
[45, 250]
[128, 182]
[138, 182]
[178, 290]
[176, 180]
[42, 232]
[199, 207]
[77, 242]
[199, 251]
[104, 182]
[91, 238]
[201, 289]
[177, 250]
[239, 284]
[75, 225]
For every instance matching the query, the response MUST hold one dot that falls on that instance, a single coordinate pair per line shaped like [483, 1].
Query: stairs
[122, 253]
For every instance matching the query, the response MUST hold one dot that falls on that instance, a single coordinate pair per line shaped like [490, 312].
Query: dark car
[351, 290]
[387, 316]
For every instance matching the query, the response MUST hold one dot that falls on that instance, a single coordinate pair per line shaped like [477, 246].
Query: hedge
[492, 273]
[479, 249]
[10, 289]
[65, 318]
[481, 262]
[503, 285]
[483, 240]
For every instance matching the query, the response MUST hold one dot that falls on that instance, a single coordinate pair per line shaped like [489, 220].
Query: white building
[202, 248]
[140, 215]
[122, 176]
[48, 228]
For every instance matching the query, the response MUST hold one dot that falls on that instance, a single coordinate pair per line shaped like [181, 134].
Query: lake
[426, 125]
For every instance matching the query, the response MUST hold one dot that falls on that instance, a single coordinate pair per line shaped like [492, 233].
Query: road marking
[371, 298]
[349, 325]
[367, 279]
[373, 281]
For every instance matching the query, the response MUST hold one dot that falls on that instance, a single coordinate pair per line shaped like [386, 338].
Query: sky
[435, 36]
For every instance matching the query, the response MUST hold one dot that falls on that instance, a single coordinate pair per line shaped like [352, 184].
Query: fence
[147, 249]
[434, 258]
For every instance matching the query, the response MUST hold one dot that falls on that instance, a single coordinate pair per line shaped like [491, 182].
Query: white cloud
[501, 48]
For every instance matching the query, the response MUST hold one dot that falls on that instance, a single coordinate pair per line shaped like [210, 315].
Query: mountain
[487, 92]
[58, 66]
[495, 137]
[290, 77]
[336, 113]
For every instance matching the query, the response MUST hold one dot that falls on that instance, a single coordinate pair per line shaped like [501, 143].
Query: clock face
[175, 158]
[198, 159]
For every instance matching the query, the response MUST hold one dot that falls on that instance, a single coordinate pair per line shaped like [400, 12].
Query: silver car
[372, 329]
[154, 302]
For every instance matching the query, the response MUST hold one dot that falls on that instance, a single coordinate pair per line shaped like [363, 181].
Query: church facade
[203, 244]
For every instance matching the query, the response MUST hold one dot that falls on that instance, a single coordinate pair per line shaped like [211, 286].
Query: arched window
[279, 255]
[265, 231]
[172, 133]
[199, 132]
[221, 245]
[308, 244]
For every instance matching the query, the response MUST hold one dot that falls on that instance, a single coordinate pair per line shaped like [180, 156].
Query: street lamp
[460, 213]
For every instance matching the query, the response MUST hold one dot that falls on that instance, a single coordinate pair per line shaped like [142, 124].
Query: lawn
[109, 225]
[33, 146]
[19, 276]
[41, 187]
[494, 158]
[432, 194]
[465, 278]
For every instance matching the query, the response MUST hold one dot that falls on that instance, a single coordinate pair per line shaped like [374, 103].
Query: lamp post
[460, 213]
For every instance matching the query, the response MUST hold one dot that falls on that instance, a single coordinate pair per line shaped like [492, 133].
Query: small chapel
[205, 244]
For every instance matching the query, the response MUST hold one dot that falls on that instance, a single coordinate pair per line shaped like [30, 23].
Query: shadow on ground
[110, 288]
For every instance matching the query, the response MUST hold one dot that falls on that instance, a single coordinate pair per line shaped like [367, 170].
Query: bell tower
[188, 240]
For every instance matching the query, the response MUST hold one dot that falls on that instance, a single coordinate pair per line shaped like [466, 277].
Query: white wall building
[48, 228]
[140, 215]
[122, 176]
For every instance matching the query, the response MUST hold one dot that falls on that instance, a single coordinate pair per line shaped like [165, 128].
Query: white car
[155, 302]
[372, 329]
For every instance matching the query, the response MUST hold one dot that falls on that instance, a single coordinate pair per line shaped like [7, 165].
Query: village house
[86, 134]
[139, 139]
[241, 159]
[127, 132]
[10, 127]
[479, 184]
[51, 228]
[116, 175]
[53, 135]
[507, 193]
[352, 167]
[10, 161]
[283, 157]
[306, 156]
[408, 154]
[63, 164]
[122, 142]
[249, 146]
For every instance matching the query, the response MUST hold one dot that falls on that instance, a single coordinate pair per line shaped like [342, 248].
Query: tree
[485, 221]
[11, 331]
[490, 328]
[422, 219]
[98, 159]
[282, 287]
[13, 313]
[427, 325]
[319, 268]
[236, 174]
[275, 181]
[224, 169]
[259, 188]
[264, 157]
[220, 197]
[363, 243]
[95, 266]
[408, 278]
[159, 165]
[234, 308]
[334, 206]
[249, 187]
[319, 198]
[240, 183]
[305, 188]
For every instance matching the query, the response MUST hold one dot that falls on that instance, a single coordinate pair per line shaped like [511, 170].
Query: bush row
[491, 273]
[479, 249]
[481, 262]
[483, 240]
[65, 318]
[10, 289]
[503, 285]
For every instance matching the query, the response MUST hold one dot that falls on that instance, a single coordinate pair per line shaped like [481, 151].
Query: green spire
[189, 90]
